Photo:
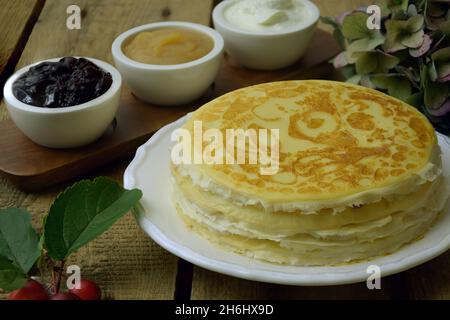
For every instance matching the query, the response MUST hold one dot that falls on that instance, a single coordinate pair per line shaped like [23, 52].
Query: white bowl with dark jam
[64, 102]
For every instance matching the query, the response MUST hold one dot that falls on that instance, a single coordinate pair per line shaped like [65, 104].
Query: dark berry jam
[65, 83]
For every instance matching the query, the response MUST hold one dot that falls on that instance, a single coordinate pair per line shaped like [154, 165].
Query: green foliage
[408, 57]
[78, 215]
[402, 34]
[83, 212]
[11, 277]
[368, 62]
[355, 27]
[19, 242]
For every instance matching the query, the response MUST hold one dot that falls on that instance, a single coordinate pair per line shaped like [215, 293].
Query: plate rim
[326, 278]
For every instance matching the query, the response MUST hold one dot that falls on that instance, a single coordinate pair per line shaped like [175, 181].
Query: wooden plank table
[17, 18]
[124, 261]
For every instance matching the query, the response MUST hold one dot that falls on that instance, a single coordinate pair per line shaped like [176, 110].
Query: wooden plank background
[126, 263]
[17, 18]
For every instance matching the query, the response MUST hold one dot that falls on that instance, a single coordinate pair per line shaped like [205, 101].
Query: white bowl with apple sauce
[169, 84]
[65, 127]
[266, 34]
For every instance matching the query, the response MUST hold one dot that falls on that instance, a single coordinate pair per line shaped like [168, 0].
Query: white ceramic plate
[149, 171]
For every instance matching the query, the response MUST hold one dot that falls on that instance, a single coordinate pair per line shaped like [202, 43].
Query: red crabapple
[88, 290]
[32, 290]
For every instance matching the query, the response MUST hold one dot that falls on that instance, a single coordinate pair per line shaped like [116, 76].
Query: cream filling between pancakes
[308, 254]
[428, 173]
[360, 175]
[252, 222]
[283, 224]
[350, 242]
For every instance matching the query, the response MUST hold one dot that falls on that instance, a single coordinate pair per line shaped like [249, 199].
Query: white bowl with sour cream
[266, 34]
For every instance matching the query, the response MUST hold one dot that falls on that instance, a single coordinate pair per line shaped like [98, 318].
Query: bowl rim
[217, 49]
[219, 19]
[13, 102]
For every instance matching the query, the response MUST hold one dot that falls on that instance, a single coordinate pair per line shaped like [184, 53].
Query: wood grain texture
[16, 21]
[136, 121]
[209, 285]
[125, 262]
[430, 281]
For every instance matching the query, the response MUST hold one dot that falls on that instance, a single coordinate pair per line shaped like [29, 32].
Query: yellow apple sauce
[168, 46]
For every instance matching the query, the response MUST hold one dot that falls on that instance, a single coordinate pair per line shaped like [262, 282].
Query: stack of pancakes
[359, 175]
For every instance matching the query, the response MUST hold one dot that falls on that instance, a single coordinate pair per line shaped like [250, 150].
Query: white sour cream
[267, 15]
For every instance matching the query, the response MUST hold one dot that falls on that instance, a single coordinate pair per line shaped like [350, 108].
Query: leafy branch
[408, 57]
[78, 215]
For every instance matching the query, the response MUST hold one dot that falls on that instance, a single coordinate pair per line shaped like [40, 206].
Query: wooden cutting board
[33, 168]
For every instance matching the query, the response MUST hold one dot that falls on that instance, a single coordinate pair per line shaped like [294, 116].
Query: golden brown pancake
[358, 175]
[336, 139]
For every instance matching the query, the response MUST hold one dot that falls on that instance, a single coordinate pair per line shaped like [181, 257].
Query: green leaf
[415, 23]
[444, 27]
[414, 40]
[432, 71]
[11, 277]
[440, 66]
[415, 100]
[397, 85]
[423, 48]
[365, 63]
[374, 62]
[443, 71]
[366, 44]
[354, 79]
[339, 37]
[18, 241]
[401, 34]
[423, 74]
[420, 5]
[435, 94]
[355, 26]
[348, 71]
[383, 4]
[392, 6]
[83, 212]
[441, 55]
[412, 10]
[329, 20]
